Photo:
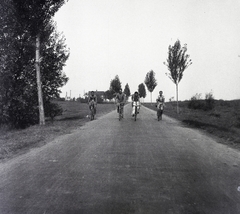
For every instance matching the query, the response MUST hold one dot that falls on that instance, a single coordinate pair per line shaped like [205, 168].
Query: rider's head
[160, 92]
[136, 93]
[92, 92]
[120, 91]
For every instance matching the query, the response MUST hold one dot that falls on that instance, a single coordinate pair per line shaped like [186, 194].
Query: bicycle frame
[159, 111]
[120, 111]
[136, 107]
[92, 111]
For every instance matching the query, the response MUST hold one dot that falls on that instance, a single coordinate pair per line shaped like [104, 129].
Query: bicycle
[136, 107]
[159, 111]
[92, 111]
[120, 113]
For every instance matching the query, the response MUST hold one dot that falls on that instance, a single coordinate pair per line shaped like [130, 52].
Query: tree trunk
[39, 84]
[177, 97]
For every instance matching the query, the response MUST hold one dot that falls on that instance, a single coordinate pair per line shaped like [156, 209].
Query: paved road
[111, 166]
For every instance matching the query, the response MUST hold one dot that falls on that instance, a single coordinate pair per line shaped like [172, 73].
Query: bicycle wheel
[92, 113]
[120, 113]
[135, 115]
[158, 114]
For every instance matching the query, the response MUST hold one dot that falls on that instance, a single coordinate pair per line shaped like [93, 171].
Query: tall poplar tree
[115, 85]
[127, 91]
[177, 61]
[142, 90]
[150, 81]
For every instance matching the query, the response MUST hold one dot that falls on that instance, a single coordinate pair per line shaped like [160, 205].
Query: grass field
[223, 121]
[15, 142]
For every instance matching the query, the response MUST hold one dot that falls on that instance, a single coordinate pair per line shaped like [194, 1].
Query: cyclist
[120, 99]
[92, 100]
[135, 98]
[160, 101]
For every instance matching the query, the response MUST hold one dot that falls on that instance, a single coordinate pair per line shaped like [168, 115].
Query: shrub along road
[111, 166]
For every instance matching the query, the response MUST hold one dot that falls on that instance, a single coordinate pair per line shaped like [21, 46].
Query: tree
[35, 16]
[127, 91]
[8, 55]
[19, 94]
[209, 100]
[177, 62]
[115, 85]
[108, 95]
[142, 90]
[16, 56]
[150, 82]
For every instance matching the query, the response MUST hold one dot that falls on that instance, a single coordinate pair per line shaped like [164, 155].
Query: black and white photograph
[119, 106]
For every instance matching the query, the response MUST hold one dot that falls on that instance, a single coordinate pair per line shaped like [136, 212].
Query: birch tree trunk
[39, 84]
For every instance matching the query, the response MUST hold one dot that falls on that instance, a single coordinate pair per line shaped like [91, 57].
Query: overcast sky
[129, 38]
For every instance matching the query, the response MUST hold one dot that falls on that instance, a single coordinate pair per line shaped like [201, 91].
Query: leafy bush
[209, 101]
[197, 103]
[52, 110]
[22, 114]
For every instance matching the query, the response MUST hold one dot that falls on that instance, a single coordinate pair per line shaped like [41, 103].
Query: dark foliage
[52, 110]
[142, 90]
[196, 104]
[127, 90]
[150, 81]
[115, 85]
[177, 61]
[109, 94]
[20, 21]
[209, 101]
[206, 105]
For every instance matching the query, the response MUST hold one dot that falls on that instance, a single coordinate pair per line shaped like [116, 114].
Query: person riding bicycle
[120, 99]
[160, 101]
[92, 100]
[135, 98]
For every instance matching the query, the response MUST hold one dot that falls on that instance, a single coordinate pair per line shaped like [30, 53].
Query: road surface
[110, 166]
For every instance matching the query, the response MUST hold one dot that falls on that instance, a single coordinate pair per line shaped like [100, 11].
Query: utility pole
[39, 83]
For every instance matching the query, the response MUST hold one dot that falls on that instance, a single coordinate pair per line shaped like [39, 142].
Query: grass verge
[15, 142]
[222, 122]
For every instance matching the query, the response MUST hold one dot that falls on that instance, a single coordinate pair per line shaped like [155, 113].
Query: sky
[129, 38]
